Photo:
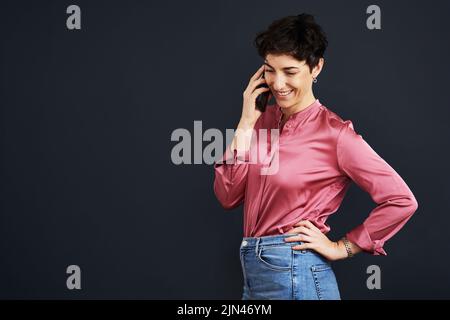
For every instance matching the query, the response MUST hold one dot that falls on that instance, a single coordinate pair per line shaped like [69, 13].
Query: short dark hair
[298, 36]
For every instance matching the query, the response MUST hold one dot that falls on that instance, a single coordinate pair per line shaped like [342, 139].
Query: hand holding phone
[256, 89]
[263, 98]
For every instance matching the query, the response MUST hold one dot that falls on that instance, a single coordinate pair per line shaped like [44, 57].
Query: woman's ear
[318, 68]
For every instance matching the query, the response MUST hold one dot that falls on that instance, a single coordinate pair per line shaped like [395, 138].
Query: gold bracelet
[347, 247]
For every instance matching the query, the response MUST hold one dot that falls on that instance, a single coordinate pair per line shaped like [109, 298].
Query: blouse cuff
[361, 237]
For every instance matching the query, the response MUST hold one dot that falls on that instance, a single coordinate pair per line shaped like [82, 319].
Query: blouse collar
[296, 117]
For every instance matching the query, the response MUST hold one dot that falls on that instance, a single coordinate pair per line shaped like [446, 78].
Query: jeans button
[244, 243]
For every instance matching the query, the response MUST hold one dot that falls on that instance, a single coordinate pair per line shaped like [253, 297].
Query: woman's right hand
[250, 113]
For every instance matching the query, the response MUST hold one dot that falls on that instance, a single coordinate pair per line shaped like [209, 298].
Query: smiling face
[290, 80]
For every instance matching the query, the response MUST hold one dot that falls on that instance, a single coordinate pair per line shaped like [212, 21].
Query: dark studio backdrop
[86, 123]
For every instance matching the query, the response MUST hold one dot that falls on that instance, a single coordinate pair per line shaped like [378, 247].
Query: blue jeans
[273, 270]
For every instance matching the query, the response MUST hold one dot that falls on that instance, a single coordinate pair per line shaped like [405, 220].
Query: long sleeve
[230, 178]
[395, 201]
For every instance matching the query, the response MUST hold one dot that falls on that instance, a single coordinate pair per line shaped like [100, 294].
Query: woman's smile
[284, 94]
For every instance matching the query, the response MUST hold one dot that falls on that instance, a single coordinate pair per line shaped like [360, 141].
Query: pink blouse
[319, 155]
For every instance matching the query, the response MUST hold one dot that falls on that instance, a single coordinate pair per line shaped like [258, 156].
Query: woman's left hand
[314, 239]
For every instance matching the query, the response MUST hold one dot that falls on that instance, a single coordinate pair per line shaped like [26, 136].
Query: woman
[285, 253]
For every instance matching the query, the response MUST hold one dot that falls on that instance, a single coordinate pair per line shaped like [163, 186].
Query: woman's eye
[288, 73]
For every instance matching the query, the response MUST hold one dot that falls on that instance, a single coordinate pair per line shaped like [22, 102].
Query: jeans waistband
[266, 240]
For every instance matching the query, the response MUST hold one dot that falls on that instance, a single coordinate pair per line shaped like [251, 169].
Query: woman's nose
[279, 85]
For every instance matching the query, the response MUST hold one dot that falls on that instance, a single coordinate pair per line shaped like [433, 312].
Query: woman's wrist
[346, 248]
[245, 124]
[341, 249]
[243, 136]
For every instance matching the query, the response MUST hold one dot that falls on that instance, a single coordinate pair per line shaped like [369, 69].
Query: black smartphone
[263, 98]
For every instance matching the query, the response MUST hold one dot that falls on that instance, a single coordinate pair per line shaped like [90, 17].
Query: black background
[87, 116]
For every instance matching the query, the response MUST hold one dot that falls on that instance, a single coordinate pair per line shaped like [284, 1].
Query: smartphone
[263, 98]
